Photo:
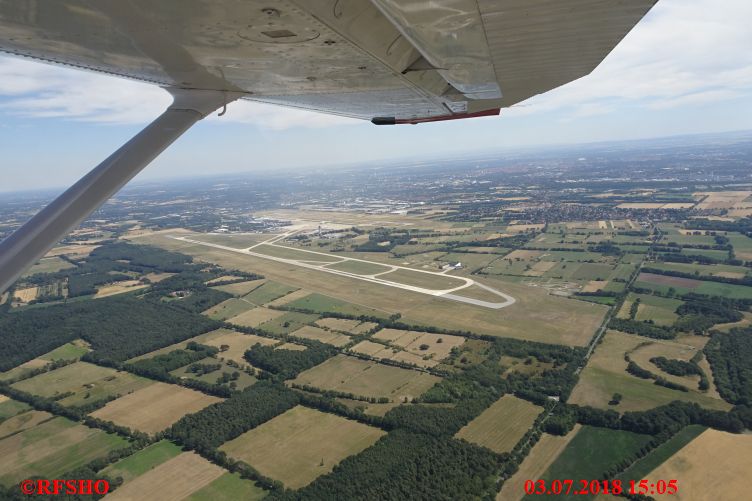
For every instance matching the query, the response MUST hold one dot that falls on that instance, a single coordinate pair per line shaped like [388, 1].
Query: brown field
[13, 373]
[536, 316]
[25, 295]
[201, 338]
[518, 228]
[174, 480]
[154, 408]
[439, 345]
[678, 350]
[289, 298]
[713, 466]
[501, 426]
[722, 199]
[240, 288]
[366, 378]
[338, 324]
[77, 251]
[535, 464]
[744, 322]
[300, 445]
[540, 268]
[119, 288]
[605, 374]
[652, 278]
[238, 344]
[594, 285]
[223, 278]
[291, 347]
[324, 336]
[639, 205]
[363, 327]
[157, 277]
[22, 421]
[255, 317]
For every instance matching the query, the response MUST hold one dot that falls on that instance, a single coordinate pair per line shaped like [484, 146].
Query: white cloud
[682, 54]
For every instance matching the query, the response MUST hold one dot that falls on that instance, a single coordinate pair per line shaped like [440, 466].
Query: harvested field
[255, 317]
[119, 288]
[324, 336]
[289, 298]
[436, 346]
[291, 347]
[300, 445]
[338, 324]
[653, 278]
[367, 378]
[523, 255]
[25, 295]
[86, 381]
[535, 464]
[227, 309]
[74, 251]
[52, 448]
[240, 288]
[713, 466]
[501, 426]
[23, 421]
[154, 408]
[595, 285]
[184, 474]
[237, 343]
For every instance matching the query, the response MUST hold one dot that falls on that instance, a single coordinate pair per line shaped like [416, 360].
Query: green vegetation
[730, 357]
[657, 456]
[229, 487]
[318, 303]
[588, 457]
[143, 460]
[268, 291]
[289, 363]
[449, 469]
[287, 323]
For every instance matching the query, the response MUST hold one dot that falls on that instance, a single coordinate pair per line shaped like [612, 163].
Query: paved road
[444, 293]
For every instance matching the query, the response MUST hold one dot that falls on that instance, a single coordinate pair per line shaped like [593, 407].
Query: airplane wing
[388, 61]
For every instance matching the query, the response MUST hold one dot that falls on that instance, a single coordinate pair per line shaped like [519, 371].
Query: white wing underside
[359, 58]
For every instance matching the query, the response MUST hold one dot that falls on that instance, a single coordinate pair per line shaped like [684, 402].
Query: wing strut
[32, 241]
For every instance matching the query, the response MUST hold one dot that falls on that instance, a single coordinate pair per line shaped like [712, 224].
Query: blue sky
[687, 68]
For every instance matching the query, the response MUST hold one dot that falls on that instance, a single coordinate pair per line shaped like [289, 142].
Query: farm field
[184, 474]
[642, 468]
[268, 291]
[535, 464]
[22, 421]
[229, 487]
[205, 338]
[52, 448]
[229, 308]
[715, 465]
[120, 287]
[586, 457]
[243, 381]
[367, 378]
[501, 426]
[324, 336]
[10, 407]
[288, 322]
[68, 351]
[143, 460]
[300, 445]
[237, 343]
[605, 374]
[663, 283]
[154, 408]
[240, 288]
[434, 346]
[255, 317]
[48, 265]
[86, 381]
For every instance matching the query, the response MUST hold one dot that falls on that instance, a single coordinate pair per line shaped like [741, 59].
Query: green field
[52, 448]
[143, 460]
[48, 265]
[87, 382]
[290, 321]
[229, 487]
[704, 287]
[320, 303]
[244, 380]
[590, 453]
[68, 351]
[660, 310]
[10, 408]
[359, 267]
[657, 456]
[269, 291]
[228, 309]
